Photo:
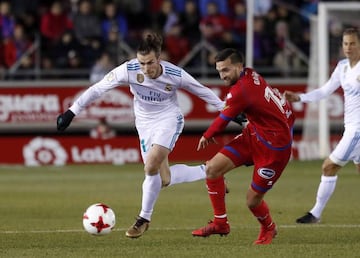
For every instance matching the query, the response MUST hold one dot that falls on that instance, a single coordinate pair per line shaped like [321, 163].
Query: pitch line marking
[172, 229]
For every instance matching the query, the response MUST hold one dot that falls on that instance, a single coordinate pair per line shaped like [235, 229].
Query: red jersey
[268, 113]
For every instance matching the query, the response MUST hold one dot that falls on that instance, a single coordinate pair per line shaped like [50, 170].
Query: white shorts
[347, 149]
[164, 133]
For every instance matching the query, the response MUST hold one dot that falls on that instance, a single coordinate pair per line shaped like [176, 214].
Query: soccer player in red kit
[265, 142]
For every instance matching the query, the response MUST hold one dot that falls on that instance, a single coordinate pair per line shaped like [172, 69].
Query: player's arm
[320, 93]
[114, 78]
[234, 107]
[206, 94]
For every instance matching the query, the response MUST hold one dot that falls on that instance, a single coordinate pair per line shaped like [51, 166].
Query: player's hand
[64, 120]
[203, 142]
[291, 96]
[240, 119]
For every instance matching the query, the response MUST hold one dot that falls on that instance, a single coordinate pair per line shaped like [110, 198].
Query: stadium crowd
[91, 34]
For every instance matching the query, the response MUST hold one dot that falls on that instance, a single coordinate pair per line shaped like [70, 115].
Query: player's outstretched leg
[212, 228]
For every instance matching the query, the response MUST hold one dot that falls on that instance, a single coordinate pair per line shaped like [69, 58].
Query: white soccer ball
[99, 219]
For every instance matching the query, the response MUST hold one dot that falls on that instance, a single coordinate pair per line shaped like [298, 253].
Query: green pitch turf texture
[42, 207]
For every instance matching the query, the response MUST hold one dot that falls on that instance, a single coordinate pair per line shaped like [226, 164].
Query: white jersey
[349, 79]
[153, 98]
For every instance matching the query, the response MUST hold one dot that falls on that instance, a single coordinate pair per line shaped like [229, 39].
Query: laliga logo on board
[44, 151]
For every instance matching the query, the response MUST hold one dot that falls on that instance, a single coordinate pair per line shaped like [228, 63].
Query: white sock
[151, 188]
[181, 173]
[326, 188]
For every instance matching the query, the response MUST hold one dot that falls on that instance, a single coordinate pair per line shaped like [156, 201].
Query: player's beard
[229, 81]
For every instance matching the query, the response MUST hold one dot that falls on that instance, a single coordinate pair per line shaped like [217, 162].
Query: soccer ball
[99, 219]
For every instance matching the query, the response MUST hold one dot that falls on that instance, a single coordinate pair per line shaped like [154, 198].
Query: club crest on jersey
[140, 78]
[266, 173]
[229, 96]
[168, 87]
[358, 78]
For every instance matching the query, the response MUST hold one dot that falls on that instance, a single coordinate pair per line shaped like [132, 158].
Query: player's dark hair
[352, 31]
[150, 42]
[234, 55]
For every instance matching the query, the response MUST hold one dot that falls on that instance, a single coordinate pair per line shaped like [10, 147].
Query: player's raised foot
[308, 218]
[138, 228]
[212, 229]
[266, 235]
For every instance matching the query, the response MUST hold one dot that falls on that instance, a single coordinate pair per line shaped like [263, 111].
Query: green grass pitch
[41, 212]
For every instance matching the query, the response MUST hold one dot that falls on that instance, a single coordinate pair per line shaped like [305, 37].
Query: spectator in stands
[53, 24]
[87, 28]
[214, 25]
[263, 52]
[135, 9]
[31, 24]
[190, 20]
[7, 20]
[113, 20]
[74, 61]
[293, 22]
[222, 7]
[270, 19]
[118, 51]
[87, 25]
[102, 131]
[176, 45]
[62, 49]
[15, 47]
[47, 65]
[102, 66]
[164, 20]
[238, 31]
[285, 58]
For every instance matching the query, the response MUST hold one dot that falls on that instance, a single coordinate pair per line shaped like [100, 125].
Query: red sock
[216, 191]
[262, 213]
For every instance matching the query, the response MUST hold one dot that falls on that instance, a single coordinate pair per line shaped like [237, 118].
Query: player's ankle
[220, 221]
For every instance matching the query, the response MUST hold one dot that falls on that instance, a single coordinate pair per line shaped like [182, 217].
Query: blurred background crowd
[45, 39]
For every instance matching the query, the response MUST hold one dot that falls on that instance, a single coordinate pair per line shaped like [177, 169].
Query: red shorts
[246, 149]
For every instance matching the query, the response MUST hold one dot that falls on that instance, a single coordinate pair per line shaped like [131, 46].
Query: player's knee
[253, 199]
[212, 171]
[329, 168]
[151, 169]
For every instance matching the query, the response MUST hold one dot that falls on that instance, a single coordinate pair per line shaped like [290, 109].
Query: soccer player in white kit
[158, 118]
[347, 76]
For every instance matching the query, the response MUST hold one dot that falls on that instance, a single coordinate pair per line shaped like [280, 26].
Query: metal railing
[195, 62]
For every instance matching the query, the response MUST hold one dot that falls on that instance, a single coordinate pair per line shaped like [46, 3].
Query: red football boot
[212, 229]
[266, 235]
